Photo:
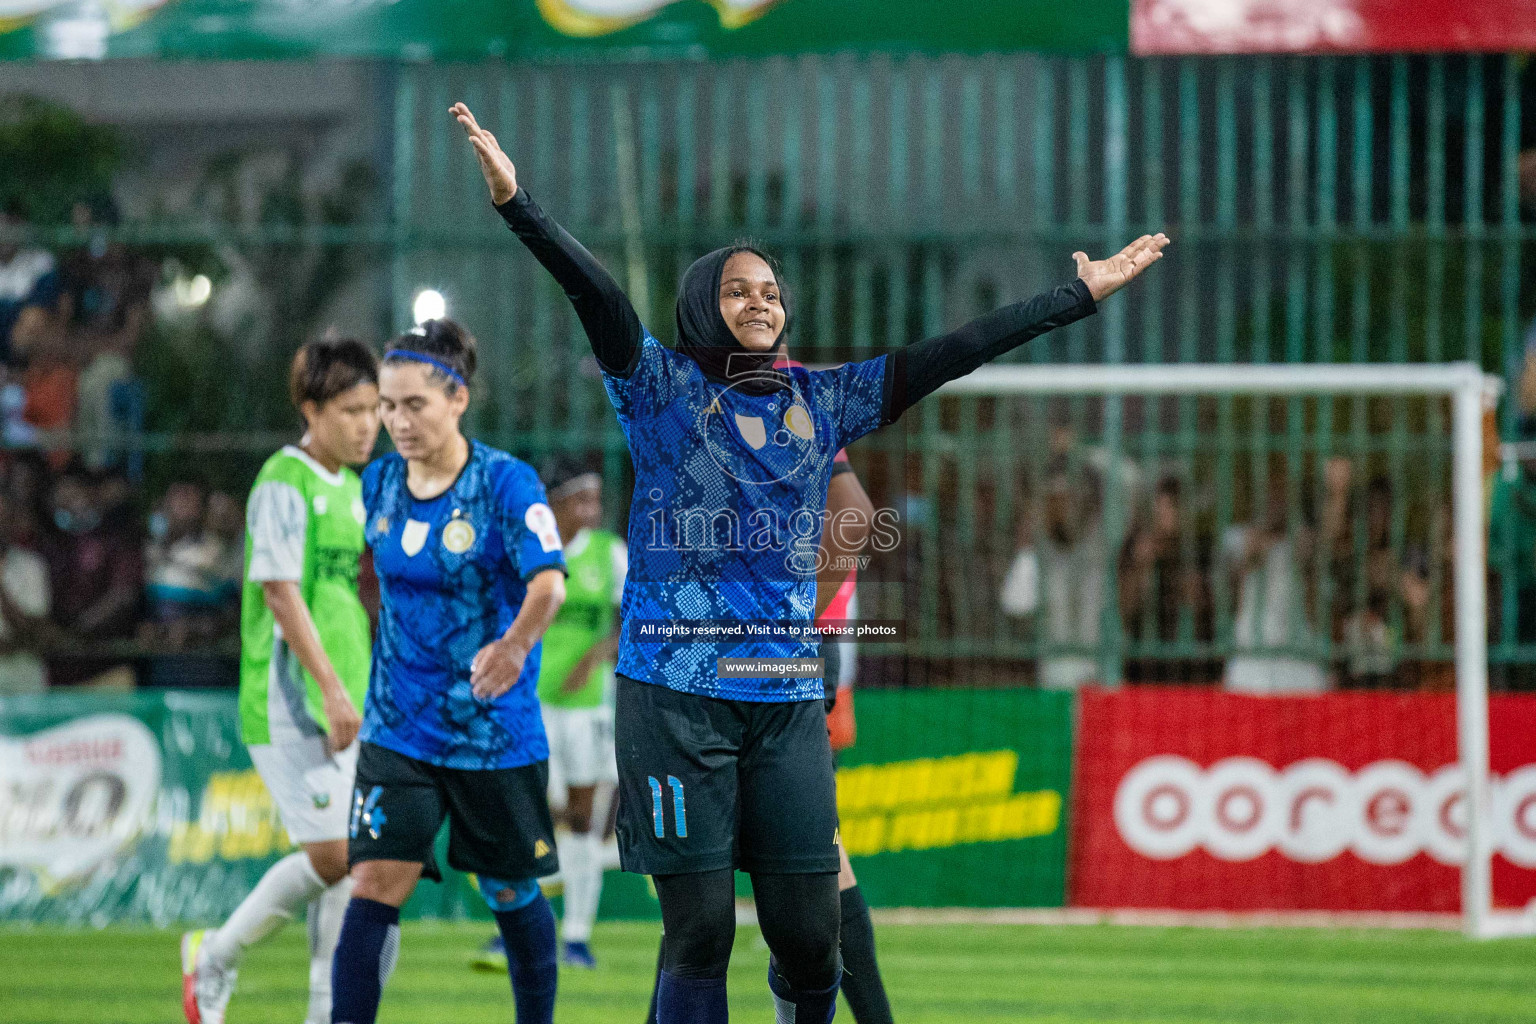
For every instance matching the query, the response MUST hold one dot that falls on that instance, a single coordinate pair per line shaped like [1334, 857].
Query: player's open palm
[496, 668]
[342, 717]
[1105, 277]
[500, 175]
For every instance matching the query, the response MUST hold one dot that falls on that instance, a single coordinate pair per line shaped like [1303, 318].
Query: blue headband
[422, 357]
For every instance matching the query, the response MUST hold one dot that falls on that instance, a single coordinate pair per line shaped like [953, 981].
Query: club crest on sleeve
[541, 523]
[381, 525]
[359, 512]
[459, 536]
[413, 536]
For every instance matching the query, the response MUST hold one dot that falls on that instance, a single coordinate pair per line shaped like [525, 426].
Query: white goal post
[1467, 388]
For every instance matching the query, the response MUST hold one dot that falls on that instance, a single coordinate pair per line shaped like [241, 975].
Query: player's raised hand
[496, 667]
[1105, 277]
[500, 175]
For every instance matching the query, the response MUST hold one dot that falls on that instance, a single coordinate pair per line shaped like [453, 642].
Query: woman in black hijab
[722, 747]
[704, 336]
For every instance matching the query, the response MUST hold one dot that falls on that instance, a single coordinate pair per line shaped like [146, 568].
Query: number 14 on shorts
[679, 808]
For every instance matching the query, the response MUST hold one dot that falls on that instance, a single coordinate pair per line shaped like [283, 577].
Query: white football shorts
[580, 746]
[311, 788]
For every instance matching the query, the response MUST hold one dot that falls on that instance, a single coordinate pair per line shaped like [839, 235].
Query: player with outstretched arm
[732, 456]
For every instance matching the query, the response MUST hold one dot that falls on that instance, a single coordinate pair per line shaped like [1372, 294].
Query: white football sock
[326, 912]
[581, 862]
[278, 898]
[594, 892]
[573, 872]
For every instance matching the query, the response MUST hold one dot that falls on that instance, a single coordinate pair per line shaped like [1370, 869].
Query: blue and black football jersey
[453, 572]
[727, 512]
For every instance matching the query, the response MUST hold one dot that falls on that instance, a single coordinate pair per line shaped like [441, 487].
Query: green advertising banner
[536, 29]
[959, 797]
[128, 808]
[144, 808]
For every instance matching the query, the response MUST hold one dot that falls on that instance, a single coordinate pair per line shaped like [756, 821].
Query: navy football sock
[801, 1006]
[690, 1000]
[529, 933]
[365, 955]
[862, 986]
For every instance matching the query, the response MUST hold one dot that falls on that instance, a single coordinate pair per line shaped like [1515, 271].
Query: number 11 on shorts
[679, 808]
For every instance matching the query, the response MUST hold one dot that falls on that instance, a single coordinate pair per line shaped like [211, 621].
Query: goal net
[1265, 592]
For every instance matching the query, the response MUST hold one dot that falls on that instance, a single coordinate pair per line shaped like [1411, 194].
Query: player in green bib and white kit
[305, 646]
[576, 697]
[576, 692]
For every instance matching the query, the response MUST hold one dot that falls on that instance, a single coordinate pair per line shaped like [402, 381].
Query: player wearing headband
[470, 575]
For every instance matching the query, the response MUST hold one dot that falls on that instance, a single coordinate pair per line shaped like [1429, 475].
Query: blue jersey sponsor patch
[452, 574]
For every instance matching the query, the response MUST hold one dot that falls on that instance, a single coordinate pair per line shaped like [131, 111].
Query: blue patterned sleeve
[855, 392]
[528, 530]
[652, 383]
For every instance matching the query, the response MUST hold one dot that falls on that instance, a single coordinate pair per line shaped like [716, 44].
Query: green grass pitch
[935, 974]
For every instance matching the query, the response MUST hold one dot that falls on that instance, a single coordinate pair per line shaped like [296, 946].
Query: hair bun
[445, 340]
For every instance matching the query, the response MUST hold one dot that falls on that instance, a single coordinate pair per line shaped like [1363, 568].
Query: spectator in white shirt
[1060, 580]
[29, 287]
[1269, 559]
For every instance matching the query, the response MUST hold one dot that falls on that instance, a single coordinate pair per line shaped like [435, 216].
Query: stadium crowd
[1329, 583]
[92, 582]
[91, 575]
[69, 326]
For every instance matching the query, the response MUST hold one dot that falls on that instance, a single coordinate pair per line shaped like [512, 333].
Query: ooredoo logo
[1313, 810]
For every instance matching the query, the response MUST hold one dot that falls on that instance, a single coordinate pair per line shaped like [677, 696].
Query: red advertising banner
[1330, 26]
[1200, 800]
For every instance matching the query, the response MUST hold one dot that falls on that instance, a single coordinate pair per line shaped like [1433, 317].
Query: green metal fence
[1326, 209]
